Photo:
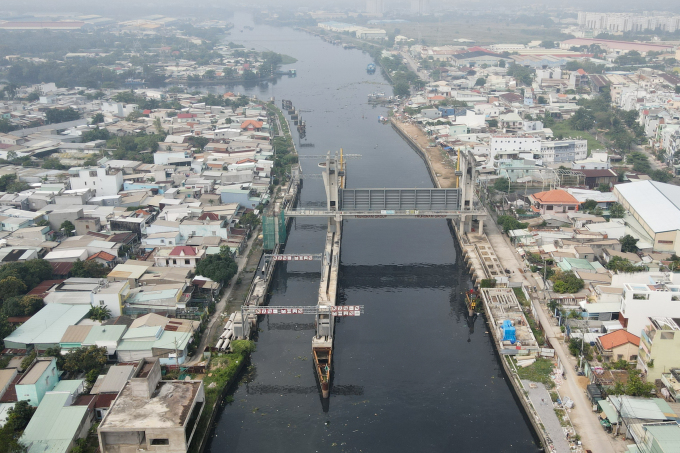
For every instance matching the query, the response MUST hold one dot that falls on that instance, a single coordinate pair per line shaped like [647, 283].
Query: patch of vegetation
[539, 371]
[223, 370]
[510, 223]
[566, 282]
[562, 129]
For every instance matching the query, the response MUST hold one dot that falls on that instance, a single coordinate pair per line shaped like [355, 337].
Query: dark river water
[411, 374]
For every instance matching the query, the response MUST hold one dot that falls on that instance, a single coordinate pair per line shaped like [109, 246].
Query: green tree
[249, 219]
[661, 175]
[566, 282]
[502, 185]
[89, 269]
[200, 142]
[541, 100]
[480, 82]
[33, 96]
[589, 205]
[640, 161]
[85, 359]
[219, 267]
[97, 118]
[56, 353]
[401, 89]
[99, 313]
[628, 244]
[95, 134]
[11, 286]
[510, 223]
[53, 163]
[582, 120]
[617, 211]
[616, 263]
[603, 187]
[54, 116]
[634, 386]
[67, 227]
[19, 416]
[547, 44]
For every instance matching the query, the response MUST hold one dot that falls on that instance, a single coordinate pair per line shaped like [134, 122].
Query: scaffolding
[273, 230]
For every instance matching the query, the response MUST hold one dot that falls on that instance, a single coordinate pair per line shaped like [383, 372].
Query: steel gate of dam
[399, 199]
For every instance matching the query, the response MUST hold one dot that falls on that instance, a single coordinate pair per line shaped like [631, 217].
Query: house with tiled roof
[618, 345]
[553, 202]
[179, 256]
[251, 126]
[104, 258]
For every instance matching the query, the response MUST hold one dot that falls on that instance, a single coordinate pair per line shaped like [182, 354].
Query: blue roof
[49, 324]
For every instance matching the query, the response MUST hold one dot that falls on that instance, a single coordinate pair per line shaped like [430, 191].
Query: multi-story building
[150, 414]
[659, 347]
[639, 301]
[551, 151]
[104, 182]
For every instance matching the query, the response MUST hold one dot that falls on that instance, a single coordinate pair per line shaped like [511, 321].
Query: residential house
[39, 378]
[129, 426]
[90, 291]
[179, 256]
[56, 425]
[104, 181]
[553, 202]
[618, 345]
[659, 350]
[160, 298]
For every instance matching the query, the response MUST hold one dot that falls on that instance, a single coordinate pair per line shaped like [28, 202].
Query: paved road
[220, 306]
[424, 75]
[585, 421]
[540, 398]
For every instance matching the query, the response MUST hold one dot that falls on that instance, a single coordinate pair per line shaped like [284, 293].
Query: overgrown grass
[563, 128]
[222, 371]
[520, 296]
[539, 371]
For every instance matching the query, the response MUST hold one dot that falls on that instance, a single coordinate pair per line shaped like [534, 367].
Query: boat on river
[322, 361]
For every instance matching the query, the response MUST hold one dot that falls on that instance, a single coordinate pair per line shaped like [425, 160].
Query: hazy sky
[129, 8]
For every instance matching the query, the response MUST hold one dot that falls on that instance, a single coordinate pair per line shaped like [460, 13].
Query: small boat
[322, 360]
[370, 68]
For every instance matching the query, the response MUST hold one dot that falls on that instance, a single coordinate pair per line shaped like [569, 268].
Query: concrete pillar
[481, 226]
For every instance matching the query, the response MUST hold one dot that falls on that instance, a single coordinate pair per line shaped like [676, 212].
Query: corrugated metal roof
[53, 426]
[143, 332]
[131, 345]
[68, 385]
[663, 213]
[115, 379]
[49, 324]
[75, 334]
[104, 333]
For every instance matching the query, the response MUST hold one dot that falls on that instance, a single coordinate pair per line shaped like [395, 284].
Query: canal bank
[484, 265]
[391, 390]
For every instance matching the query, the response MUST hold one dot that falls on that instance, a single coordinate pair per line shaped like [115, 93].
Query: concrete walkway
[220, 306]
[585, 421]
[540, 398]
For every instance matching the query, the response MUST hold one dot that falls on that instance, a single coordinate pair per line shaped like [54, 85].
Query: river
[411, 374]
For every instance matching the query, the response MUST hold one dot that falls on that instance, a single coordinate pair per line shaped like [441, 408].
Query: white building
[105, 182]
[659, 296]
[90, 291]
[596, 161]
[506, 143]
[119, 109]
